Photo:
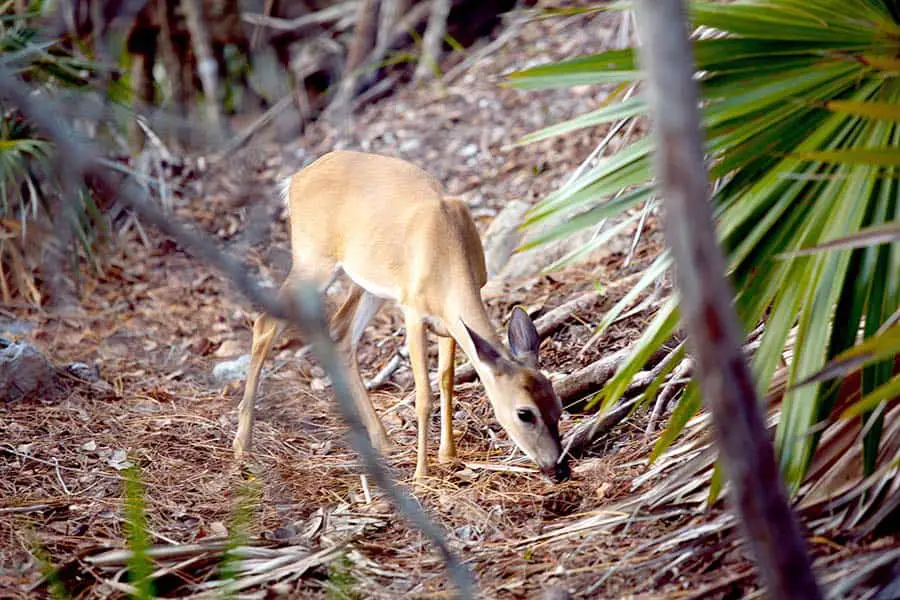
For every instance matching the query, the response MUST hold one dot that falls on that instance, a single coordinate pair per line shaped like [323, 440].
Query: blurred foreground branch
[433, 41]
[727, 385]
[206, 63]
[304, 310]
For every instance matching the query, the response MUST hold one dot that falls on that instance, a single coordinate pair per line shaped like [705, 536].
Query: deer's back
[386, 222]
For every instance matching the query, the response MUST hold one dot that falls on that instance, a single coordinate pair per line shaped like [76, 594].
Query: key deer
[387, 225]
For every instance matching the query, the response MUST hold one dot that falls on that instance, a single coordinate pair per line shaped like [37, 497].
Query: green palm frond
[21, 152]
[801, 110]
[28, 184]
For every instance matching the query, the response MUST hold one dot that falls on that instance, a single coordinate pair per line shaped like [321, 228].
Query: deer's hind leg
[348, 325]
[266, 330]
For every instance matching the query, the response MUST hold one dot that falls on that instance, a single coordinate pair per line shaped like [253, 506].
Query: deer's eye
[526, 415]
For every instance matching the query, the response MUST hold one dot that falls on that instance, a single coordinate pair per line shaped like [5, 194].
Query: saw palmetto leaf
[801, 111]
[28, 184]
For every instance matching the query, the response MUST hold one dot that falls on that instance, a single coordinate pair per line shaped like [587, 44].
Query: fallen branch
[583, 435]
[586, 433]
[641, 381]
[590, 378]
[545, 325]
[683, 370]
[384, 374]
[554, 319]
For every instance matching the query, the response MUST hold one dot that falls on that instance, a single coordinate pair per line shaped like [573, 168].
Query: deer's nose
[563, 473]
[559, 472]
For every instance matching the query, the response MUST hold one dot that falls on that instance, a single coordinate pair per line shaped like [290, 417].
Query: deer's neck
[471, 311]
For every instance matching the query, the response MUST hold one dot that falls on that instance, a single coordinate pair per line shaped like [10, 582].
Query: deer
[386, 224]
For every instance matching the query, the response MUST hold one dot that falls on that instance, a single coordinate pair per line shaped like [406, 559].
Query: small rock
[119, 460]
[24, 372]
[89, 446]
[229, 348]
[556, 592]
[503, 236]
[15, 327]
[232, 369]
[469, 150]
[410, 145]
[218, 529]
[84, 372]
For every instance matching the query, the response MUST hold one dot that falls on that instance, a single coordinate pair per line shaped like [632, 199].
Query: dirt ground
[157, 322]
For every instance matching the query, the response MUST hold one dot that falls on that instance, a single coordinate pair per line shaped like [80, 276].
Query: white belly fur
[376, 290]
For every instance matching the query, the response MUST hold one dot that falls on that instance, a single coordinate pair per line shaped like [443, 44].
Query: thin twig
[319, 17]
[60, 479]
[258, 124]
[384, 374]
[668, 392]
[13, 510]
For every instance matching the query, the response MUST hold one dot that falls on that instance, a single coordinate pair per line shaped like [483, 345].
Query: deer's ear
[524, 341]
[485, 351]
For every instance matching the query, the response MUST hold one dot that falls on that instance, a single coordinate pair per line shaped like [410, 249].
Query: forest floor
[157, 321]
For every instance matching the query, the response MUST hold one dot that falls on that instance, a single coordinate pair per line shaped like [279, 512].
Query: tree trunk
[391, 11]
[388, 17]
[363, 34]
[362, 43]
[433, 42]
[757, 490]
[206, 62]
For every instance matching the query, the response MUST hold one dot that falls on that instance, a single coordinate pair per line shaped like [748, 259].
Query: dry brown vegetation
[157, 322]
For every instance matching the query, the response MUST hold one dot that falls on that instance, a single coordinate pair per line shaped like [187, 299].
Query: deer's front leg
[418, 357]
[265, 330]
[446, 355]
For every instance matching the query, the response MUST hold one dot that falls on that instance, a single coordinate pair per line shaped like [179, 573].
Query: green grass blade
[140, 566]
[614, 66]
[658, 331]
[608, 114]
[888, 111]
[590, 217]
[886, 391]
